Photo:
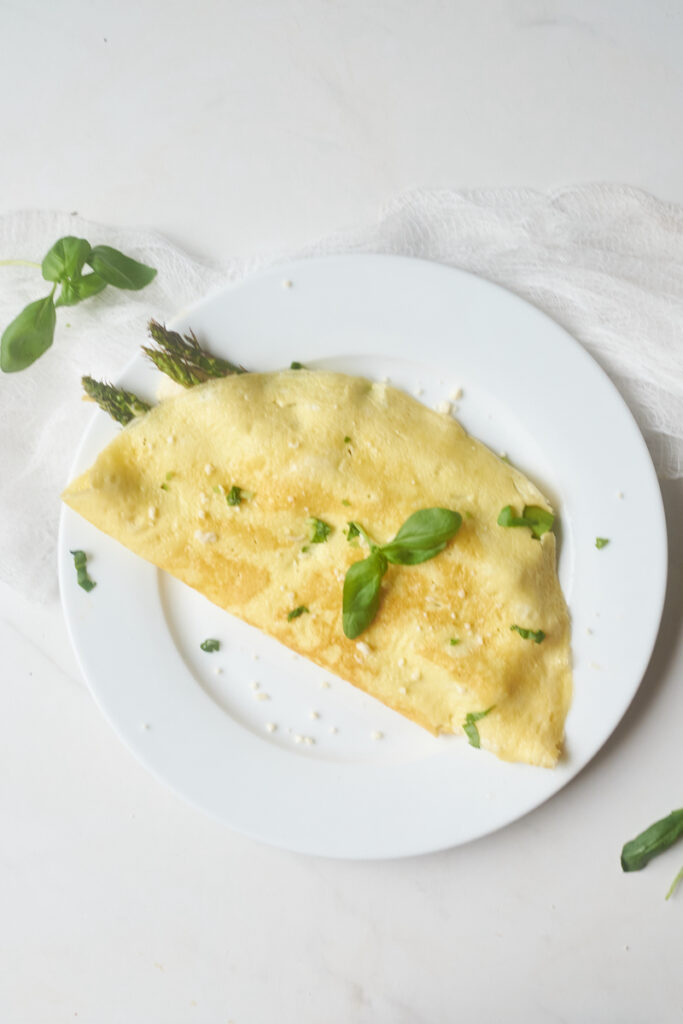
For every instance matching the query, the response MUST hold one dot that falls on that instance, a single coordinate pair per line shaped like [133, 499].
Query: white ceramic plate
[196, 720]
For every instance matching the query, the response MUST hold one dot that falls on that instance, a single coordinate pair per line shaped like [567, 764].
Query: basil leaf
[119, 270]
[66, 259]
[296, 612]
[28, 336]
[210, 645]
[529, 634]
[74, 292]
[422, 536]
[654, 840]
[536, 518]
[80, 560]
[470, 728]
[360, 599]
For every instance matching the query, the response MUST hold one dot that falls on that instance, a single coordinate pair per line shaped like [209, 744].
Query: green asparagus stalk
[122, 405]
[183, 359]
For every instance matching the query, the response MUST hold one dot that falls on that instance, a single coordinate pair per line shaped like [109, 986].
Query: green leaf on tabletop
[119, 270]
[361, 594]
[422, 536]
[210, 645]
[529, 634]
[80, 564]
[73, 292]
[653, 841]
[470, 728]
[536, 518]
[66, 259]
[320, 530]
[28, 336]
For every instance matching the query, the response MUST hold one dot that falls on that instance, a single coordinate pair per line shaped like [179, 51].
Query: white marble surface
[237, 128]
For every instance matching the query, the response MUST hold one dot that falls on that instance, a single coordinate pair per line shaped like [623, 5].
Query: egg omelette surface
[304, 445]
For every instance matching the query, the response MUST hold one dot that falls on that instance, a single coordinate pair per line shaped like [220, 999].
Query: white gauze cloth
[605, 261]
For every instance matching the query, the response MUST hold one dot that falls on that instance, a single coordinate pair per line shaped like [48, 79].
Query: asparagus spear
[182, 358]
[122, 405]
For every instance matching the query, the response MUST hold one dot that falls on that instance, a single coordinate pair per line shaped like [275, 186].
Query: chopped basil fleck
[537, 519]
[345, 501]
[529, 634]
[80, 560]
[601, 542]
[347, 439]
[455, 640]
[352, 532]
[296, 366]
[320, 530]
[234, 495]
[210, 645]
[470, 728]
[296, 612]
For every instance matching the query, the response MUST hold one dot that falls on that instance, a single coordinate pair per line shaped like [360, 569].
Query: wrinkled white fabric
[605, 261]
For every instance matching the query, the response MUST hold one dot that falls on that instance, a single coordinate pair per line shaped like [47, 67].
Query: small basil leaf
[66, 258]
[80, 564]
[536, 518]
[422, 536]
[210, 645]
[28, 336]
[119, 270]
[74, 292]
[320, 530]
[470, 728]
[360, 599]
[654, 840]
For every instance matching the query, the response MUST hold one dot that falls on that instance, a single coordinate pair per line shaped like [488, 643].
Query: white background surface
[238, 128]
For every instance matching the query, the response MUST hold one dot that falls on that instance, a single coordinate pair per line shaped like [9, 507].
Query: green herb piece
[320, 530]
[183, 359]
[360, 599]
[305, 548]
[164, 486]
[653, 841]
[470, 728]
[528, 634]
[119, 270]
[347, 439]
[29, 335]
[80, 563]
[454, 640]
[296, 612]
[234, 495]
[169, 476]
[121, 405]
[674, 884]
[296, 366]
[423, 535]
[345, 501]
[601, 542]
[32, 332]
[537, 519]
[210, 645]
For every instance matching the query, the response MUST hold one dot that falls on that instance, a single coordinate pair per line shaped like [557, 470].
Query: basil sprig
[536, 518]
[31, 333]
[423, 535]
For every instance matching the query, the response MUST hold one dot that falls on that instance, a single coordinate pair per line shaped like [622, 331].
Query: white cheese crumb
[205, 538]
[402, 690]
[254, 685]
[204, 498]
[208, 469]
[363, 648]
[415, 676]
[333, 730]
[262, 696]
[314, 714]
[287, 283]
[401, 662]
[298, 738]
[271, 726]
[443, 407]
[324, 685]
[468, 627]
[461, 593]
[456, 394]
[589, 631]
[293, 444]
[202, 513]
[620, 494]
[418, 391]
[254, 657]
[218, 670]
[377, 735]
[309, 741]
[152, 513]
[170, 439]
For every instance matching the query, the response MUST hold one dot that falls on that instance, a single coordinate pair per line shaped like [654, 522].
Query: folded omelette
[244, 487]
